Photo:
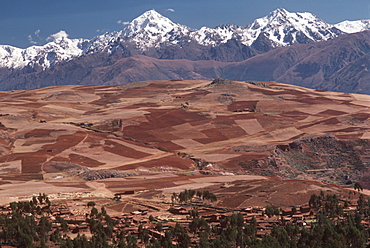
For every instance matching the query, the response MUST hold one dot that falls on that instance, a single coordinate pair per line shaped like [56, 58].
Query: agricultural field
[262, 142]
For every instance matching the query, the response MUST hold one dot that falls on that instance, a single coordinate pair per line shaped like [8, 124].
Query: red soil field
[296, 115]
[20, 177]
[78, 125]
[122, 150]
[138, 133]
[360, 116]
[40, 133]
[33, 163]
[213, 135]
[331, 112]
[64, 142]
[169, 161]
[78, 159]
[232, 132]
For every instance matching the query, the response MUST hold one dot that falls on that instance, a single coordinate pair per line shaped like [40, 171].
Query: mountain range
[295, 48]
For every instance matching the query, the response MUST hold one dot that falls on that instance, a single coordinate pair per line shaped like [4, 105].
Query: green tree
[193, 213]
[94, 212]
[315, 201]
[159, 227]
[294, 210]
[269, 211]
[181, 236]
[358, 186]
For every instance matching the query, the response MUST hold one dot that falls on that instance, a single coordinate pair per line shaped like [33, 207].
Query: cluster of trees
[20, 227]
[188, 195]
[333, 227]
[271, 211]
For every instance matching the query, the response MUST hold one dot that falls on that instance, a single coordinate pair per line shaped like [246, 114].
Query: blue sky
[27, 22]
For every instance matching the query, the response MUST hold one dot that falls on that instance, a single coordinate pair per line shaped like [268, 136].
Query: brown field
[173, 135]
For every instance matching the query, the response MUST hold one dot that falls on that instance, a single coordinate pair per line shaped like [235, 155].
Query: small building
[305, 210]
[287, 212]
[297, 217]
[179, 210]
[155, 233]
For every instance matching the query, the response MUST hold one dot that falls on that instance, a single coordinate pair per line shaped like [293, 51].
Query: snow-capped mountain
[285, 28]
[154, 35]
[151, 29]
[59, 49]
[218, 35]
[353, 26]
[281, 27]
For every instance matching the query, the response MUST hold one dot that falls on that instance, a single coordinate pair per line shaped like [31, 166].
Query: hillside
[72, 137]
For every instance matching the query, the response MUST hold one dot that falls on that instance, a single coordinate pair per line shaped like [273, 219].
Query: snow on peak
[353, 26]
[285, 28]
[151, 28]
[57, 37]
[278, 12]
[150, 20]
[218, 35]
[151, 15]
[59, 48]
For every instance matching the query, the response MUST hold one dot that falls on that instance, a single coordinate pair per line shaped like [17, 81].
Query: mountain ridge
[65, 61]
[151, 29]
[340, 64]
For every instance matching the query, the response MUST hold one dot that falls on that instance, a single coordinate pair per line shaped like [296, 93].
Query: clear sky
[27, 22]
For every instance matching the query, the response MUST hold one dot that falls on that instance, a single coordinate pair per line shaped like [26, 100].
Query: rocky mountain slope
[341, 64]
[156, 36]
[152, 31]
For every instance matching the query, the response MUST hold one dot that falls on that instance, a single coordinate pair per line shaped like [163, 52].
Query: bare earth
[174, 135]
